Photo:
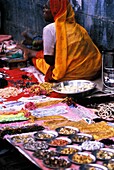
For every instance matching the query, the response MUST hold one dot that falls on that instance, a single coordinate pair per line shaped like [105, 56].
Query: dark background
[97, 16]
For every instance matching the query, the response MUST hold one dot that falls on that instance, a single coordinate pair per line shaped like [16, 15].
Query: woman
[68, 51]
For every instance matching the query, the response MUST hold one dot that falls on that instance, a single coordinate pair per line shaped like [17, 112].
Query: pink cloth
[5, 38]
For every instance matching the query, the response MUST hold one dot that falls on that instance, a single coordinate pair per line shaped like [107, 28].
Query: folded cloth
[5, 38]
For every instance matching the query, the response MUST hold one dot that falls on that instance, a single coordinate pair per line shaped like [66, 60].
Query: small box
[14, 63]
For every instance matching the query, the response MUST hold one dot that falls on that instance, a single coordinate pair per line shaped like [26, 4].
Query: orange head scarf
[62, 12]
[58, 7]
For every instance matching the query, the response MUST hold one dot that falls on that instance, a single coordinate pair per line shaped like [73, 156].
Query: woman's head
[47, 12]
[58, 7]
[54, 8]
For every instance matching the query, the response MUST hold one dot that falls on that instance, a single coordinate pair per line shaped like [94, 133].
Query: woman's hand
[27, 53]
[25, 56]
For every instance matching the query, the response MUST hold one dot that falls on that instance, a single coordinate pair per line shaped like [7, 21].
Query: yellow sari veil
[77, 57]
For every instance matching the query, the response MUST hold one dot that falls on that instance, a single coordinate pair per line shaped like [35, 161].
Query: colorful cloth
[5, 38]
[77, 57]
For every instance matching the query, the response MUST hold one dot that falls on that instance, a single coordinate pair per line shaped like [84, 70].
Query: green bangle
[33, 43]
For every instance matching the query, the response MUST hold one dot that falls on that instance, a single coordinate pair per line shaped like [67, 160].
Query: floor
[11, 159]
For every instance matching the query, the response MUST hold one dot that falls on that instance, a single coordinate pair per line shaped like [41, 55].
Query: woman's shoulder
[50, 26]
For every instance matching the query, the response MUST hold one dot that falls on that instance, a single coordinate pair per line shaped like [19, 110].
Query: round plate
[33, 146]
[92, 145]
[45, 135]
[82, 158]
[57, 163]
[21, 138]
[87, 167]
[67, 130]
[44, 154]
[74, 87]
[59, 141]
[80, 138]
[68, 149]
[104, 154]
[109, 164]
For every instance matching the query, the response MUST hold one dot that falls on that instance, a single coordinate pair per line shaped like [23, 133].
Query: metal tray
[77, 87]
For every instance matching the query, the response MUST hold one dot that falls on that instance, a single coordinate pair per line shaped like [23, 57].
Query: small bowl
[68, 149]
[57, 163]
[104, 154]
[90, 166]
[82, 158]
[109, 164]
[67, 130]
[79, 138]
[45, 135]
[91, 145]
[59, 141]
[33, 146]
[44, 154]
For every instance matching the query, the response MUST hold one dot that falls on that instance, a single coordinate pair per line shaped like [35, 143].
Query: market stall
[65, 125]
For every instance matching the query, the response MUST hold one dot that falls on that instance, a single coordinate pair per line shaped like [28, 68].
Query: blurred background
[96, 16]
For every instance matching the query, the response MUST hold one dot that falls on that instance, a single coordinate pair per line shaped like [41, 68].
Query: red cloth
[58, 7]
[15, 78]
[15, 75]
[57, 95]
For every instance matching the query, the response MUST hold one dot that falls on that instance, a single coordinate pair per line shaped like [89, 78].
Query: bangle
[33, 43]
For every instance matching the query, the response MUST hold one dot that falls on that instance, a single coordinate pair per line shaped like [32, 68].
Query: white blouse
[49, 39]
